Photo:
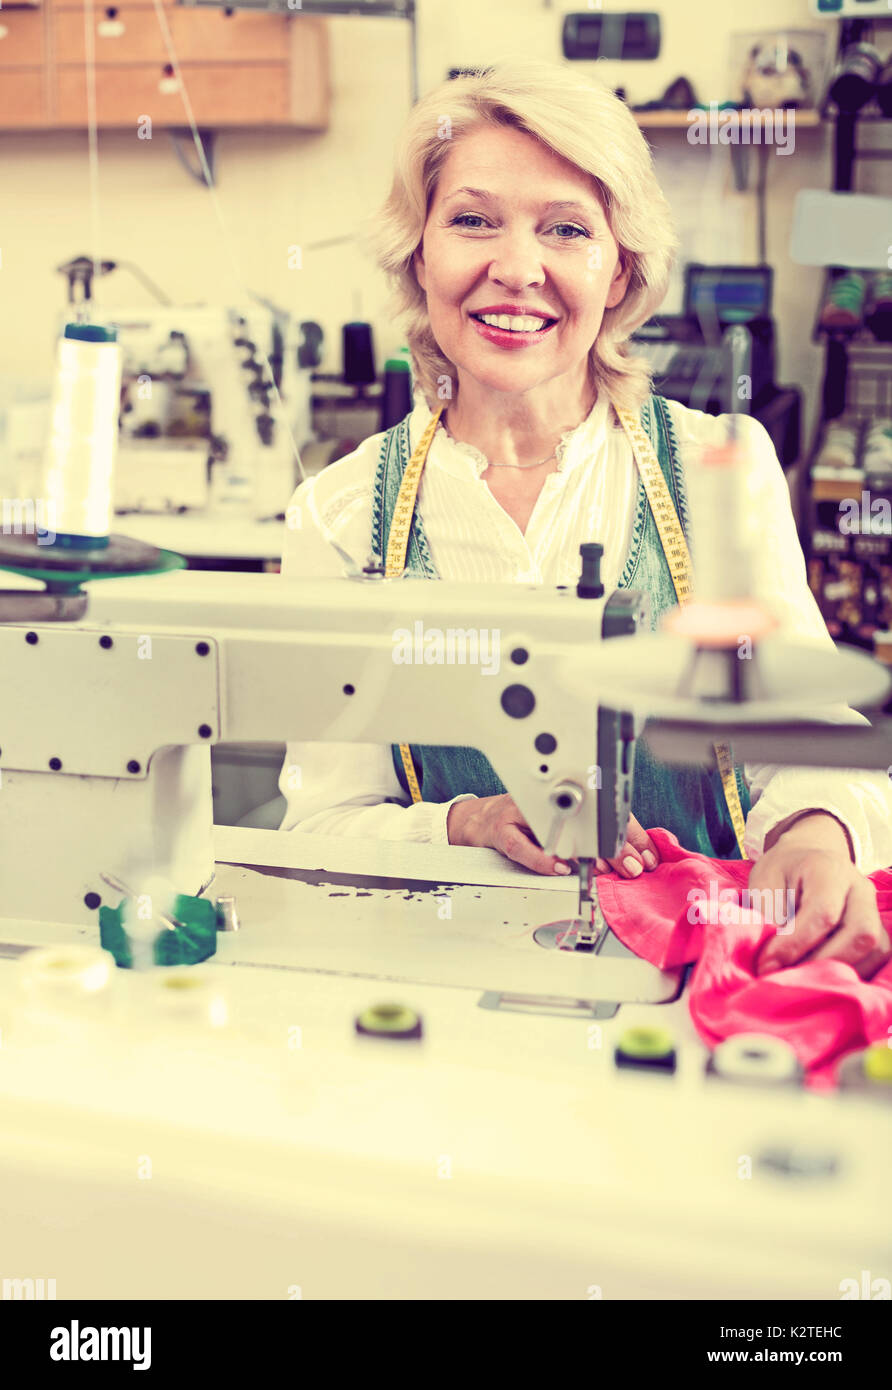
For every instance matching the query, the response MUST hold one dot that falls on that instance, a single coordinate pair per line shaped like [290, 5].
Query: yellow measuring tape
[672, 539]
[397, 545]
[401, 522]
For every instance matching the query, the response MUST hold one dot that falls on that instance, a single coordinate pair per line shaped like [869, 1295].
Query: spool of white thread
[79, 465]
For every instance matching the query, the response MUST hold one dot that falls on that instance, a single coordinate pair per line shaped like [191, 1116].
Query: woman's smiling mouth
[512, 330]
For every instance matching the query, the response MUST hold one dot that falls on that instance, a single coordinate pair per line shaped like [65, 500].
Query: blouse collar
[578, 444]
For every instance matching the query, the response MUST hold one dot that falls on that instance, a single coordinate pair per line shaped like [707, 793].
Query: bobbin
[756, 1059]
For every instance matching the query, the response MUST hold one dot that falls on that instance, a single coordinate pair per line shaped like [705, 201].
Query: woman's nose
[517, 264]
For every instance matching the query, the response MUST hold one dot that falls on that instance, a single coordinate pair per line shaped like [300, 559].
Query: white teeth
[526, 324]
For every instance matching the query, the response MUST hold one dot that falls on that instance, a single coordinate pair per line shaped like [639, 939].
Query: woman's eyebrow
[569, 203]
[472, 192]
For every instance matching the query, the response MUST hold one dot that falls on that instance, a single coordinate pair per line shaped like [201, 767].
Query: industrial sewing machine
[382, 1085]
[201, 422]
[157, 669]
[160, 668]
[215, 401]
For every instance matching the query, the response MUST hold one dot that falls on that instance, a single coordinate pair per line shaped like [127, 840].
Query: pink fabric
[823, 1009]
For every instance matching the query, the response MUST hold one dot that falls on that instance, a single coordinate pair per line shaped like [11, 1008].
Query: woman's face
[512, 224]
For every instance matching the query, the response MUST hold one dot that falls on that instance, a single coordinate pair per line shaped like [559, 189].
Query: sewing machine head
[107, 722]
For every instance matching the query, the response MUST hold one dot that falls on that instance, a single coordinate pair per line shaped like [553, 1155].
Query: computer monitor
[730, 293]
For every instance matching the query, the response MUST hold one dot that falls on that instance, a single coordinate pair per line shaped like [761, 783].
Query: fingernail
[601, 866]
[562, 868]
[632, 866]
[865, 943]
[650, 860]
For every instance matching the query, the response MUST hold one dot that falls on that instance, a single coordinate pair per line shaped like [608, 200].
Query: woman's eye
[460, 221]
[570, 226]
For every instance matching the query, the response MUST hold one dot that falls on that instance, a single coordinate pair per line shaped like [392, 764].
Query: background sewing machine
[215, 401]
[200, 423]
[692, 363]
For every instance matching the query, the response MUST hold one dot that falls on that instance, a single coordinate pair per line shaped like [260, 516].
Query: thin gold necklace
[522, 465]
[506, 465]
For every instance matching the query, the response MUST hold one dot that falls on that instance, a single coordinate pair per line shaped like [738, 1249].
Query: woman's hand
[495, 822]
[639, 853]
[835, 914]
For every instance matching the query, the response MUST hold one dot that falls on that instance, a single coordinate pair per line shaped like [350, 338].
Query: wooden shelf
[848, 483]
[677, 120]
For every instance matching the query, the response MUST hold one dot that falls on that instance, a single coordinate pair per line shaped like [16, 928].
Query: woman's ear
[619, 284]
[419, 267]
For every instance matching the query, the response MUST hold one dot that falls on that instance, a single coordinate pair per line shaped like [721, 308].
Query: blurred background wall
[280, 188]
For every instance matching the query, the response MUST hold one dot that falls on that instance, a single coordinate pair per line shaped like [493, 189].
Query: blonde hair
[578, 118]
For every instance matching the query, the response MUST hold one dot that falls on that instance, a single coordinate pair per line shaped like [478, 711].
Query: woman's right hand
[496, 822]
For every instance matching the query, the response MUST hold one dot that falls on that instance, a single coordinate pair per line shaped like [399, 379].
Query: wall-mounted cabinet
[134, 35]
[23, 88]
[238, 68]
[21, 39]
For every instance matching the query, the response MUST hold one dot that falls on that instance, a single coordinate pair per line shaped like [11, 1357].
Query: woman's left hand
[639, 853]
[835, 916]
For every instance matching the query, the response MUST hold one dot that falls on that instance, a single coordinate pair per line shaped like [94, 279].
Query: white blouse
[352, 789]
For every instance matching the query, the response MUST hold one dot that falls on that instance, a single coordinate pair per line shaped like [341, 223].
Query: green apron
[687, 800]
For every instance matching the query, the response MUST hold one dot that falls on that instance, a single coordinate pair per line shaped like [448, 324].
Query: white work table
[503, 1155]
[202, 534]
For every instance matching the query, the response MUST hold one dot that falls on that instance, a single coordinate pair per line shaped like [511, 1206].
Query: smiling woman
[528, 151]
[546, 338]
[526, 237]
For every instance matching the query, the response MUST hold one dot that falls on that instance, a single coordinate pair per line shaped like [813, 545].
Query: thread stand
[63, 572]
